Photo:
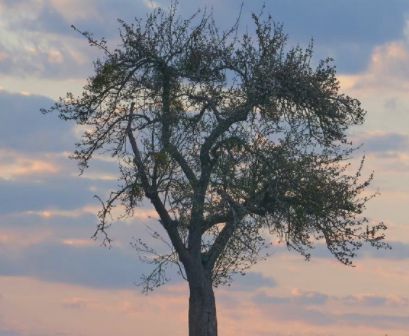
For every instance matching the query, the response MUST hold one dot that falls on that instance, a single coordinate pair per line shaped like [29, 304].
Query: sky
[55, 280]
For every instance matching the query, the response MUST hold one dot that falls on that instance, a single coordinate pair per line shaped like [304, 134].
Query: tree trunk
[202, 307]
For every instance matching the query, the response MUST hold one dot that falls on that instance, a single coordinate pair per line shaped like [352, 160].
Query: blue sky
[55, 280]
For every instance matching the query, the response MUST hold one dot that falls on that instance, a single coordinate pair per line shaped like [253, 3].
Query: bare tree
[232, 138]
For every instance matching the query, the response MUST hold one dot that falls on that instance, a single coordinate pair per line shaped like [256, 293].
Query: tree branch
[215, 219]
[167, 222]
[167, 120]
[224, 236]
[223, 126]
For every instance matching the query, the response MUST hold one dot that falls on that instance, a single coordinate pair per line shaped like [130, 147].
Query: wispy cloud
[76, 302]
[86, 264]
[13, 165]
[300, 307]
[23, 128]
[381, 142]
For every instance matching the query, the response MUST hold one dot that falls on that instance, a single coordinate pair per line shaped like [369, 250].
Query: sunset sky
[55, 280]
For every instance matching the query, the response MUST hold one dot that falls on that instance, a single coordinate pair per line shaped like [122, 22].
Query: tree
[232, 138]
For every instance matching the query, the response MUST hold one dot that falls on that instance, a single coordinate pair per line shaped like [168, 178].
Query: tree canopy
[233, 138]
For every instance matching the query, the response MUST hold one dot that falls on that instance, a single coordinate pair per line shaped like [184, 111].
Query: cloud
[287, 309]
[151, 4]
[78, 242]
[55, 56]
[317, 298]
[387, 71]
[13, 165]
[391, 58]
[75, 302]
[24, 128]
[298, 297]
[389, 67]
[71, 213]
[34, 16]
[319, 309]
[36, 38]
[252, 281]
[375, 320]
[29, 227]
[17, 238]
[379, 142]
[37, 308]
[52, 192]
[349, 33]
[399, 251]
[100, 16]
[90, 266]
[309, 297]
[387, 154]
[54, 246]
[8, 332]
[372, 300]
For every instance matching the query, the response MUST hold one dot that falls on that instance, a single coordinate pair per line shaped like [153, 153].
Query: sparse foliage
[232, 138]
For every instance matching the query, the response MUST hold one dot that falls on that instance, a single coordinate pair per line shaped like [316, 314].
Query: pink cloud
[72, 213]
[55, 56]
[78, 242]
[388, 71]
[34, 307]
[46, 308]
[18, 238]
[76, 302]
[14, 165]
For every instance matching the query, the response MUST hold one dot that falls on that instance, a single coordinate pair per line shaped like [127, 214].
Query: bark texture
[202, 306]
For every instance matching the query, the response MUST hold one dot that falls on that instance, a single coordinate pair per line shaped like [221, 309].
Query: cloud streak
[85, 264]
